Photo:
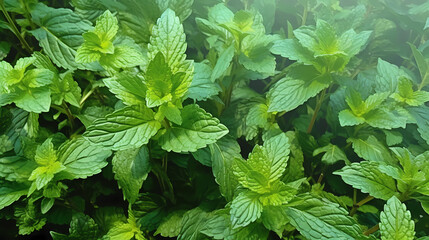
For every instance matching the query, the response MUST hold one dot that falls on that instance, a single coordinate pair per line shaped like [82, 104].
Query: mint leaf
[369, 179]
[130, 127]
[302, 83]
[245, 208]
[396, 221]
[81, 227]
[168, 38]
[407, 95]
[290, 48]
[11, 192]
[371, 149]
[60, 34]
[202, 88]
[332, 154]
[128, 87]
[81, 159]
[223, 153]
[223, 63]
[198, 129]
[131, 168]
[320, 219]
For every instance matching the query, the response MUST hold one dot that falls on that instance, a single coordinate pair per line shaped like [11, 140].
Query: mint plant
[240, 119]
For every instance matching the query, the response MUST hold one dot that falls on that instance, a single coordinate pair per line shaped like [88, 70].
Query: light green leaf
[130, 127]
[223, 153]
[422, 64]
[60, 34]
[332, 154]
[258, 115]
[171, 112]
[371, 149]
[223, 63]
[245, 209]
[302, 83]
[396, 222]
[387, 77]
[131, 168]
[290, 48]
[367, 177]
[202, 88]
[321, 219]
[128, 87]
[198, 130]
[407, 95]
[162, 85]
[169, 39]
[256, 54]
[81, 159]
[170, 227]
[125, 231]
[278, 154]
[125, 55]
[65, 88]
[192, 223]
[35, 100]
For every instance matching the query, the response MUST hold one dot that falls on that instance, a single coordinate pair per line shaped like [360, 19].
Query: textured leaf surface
[125, 128]
[197, 131]
[395, 221]
[81, 159]
[366, 177]
[131, 168]
[321, 219]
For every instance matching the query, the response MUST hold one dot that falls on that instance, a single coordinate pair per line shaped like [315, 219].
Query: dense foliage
[211, 119]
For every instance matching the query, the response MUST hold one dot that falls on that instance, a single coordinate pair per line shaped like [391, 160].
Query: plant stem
[86, 96]
[316, 110]
[359, 204]
[304, 14]
[319, 180]
[14, 28]
[372, 230]
[69, 116]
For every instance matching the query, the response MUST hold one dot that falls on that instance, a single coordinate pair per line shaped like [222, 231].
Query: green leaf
[278, 154]
[171, 112]
[320, 219]
[202, 88]
[407, 95]
[81, 159]
[60, 34]
[192, 223]
[11, 192]
[258, 116]
[223, 153]
[302, 83]
[290, 48]
[162, 85]
[371, 149]
[387, 76]
[130, 127]
[81, 227]
[128, 87]
[46, 158]
[332, 154]
[198, 130]
[170, 227]
[395, 221]
[65, 88]
[367, 177]
[275, 219]
[245, 209]
[28, 218]
[131, 168]
[253, 231]
[125, 231]
[169, 39]
[256, 54]
[422, 64]
[223, 63]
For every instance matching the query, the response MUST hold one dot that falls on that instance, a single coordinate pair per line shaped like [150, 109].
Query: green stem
[304, 14]
[316, 110]
[277, 77]
[14, 28]
[69, 115]
[86, 96]
[359, 204]
[372, 230]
